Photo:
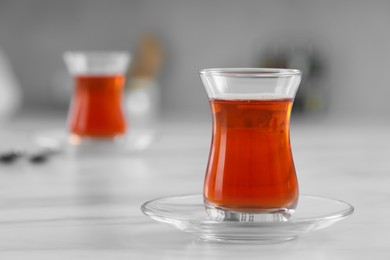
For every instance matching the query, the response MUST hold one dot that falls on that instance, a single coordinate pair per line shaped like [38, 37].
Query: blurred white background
[351, 38]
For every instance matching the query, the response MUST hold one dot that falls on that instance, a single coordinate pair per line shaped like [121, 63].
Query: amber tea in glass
[250, 171]
[96, 107]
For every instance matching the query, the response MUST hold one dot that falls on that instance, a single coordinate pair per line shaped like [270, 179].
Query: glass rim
[96, 62]
[96, 54]
[251, 72]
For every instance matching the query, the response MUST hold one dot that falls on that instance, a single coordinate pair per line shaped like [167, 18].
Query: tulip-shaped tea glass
[250, 174]
[96, 108]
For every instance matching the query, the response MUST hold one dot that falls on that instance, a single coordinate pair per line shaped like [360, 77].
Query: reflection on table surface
[88, 207]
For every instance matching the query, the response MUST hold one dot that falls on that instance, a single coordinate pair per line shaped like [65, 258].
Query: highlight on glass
[250, 172]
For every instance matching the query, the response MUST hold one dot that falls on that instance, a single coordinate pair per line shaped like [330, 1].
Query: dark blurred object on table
[312, 94]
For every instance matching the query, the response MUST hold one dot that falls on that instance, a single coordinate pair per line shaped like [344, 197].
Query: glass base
[269, 215]
[78, 140]
[136, 140]
[84, 145]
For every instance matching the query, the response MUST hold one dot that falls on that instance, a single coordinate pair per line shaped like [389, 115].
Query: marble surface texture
[88, 207]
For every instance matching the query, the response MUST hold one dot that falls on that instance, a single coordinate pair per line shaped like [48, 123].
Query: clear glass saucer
[60, 140]
[187, 213]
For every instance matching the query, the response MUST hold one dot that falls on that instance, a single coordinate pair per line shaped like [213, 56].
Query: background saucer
[60, 140]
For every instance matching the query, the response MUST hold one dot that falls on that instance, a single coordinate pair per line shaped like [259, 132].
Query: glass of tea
[250, 174]
[96, 107]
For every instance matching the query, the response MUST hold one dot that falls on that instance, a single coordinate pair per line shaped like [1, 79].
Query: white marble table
[89, 207]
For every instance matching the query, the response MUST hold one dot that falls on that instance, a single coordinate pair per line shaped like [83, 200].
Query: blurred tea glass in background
[96, 110]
